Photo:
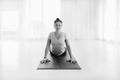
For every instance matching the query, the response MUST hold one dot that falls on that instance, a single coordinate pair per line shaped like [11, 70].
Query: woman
[57, 43]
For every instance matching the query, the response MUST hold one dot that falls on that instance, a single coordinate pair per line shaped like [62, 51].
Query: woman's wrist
[45, 57]
[71, 57]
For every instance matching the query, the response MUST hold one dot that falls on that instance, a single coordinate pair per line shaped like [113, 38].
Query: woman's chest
[57, 38]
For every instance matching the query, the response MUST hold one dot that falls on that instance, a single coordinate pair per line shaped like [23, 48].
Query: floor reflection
[9, 53]
[20, 58]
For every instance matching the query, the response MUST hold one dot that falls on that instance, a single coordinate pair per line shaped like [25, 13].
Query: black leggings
[53, 55]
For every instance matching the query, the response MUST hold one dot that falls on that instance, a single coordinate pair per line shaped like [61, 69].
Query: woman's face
[58, 26]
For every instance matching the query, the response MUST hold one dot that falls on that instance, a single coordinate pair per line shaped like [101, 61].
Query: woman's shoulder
[51, 33]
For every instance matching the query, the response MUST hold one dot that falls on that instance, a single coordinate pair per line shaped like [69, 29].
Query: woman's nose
[58, 26]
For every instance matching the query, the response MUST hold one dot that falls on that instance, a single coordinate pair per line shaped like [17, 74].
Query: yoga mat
[58, 63]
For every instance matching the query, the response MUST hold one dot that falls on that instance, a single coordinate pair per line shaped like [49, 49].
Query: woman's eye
[56, 25]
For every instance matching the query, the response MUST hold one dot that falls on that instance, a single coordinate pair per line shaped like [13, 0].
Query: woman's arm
[45, 60]
[47, 47]
[68, 48]
[72, 60]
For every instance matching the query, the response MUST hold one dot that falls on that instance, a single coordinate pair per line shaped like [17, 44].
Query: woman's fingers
[41, 62]
[72, 61]
[47, 60]
[44, 61]
[68, 61]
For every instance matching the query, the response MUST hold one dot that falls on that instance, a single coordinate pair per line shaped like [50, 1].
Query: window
[9, 21]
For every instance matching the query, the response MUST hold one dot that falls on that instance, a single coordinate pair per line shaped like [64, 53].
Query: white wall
[39, 17]
[11, 17]
[36, 17]
[109, 19]
[80, 18]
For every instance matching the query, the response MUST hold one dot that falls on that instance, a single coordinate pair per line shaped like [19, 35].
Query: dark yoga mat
[58, 63]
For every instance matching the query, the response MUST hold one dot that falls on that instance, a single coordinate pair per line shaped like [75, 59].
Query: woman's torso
[58, 43]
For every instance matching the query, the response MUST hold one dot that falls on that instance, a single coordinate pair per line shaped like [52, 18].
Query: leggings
[63, 54]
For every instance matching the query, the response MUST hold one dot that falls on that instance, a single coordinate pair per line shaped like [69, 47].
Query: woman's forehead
[58, 22]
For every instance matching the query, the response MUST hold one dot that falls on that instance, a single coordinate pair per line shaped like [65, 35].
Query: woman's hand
[71, 60]
[44, 61]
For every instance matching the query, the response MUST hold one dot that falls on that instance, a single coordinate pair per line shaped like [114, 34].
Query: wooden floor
[99, 60]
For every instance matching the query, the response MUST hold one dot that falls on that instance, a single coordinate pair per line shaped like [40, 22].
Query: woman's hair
[57, 20]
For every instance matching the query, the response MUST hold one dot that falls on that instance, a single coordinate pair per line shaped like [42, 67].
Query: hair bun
[57, 19]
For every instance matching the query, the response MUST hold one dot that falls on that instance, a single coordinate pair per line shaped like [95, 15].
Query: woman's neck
[57, 31]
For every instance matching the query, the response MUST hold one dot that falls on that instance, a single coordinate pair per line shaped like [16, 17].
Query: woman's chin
[57, 29]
